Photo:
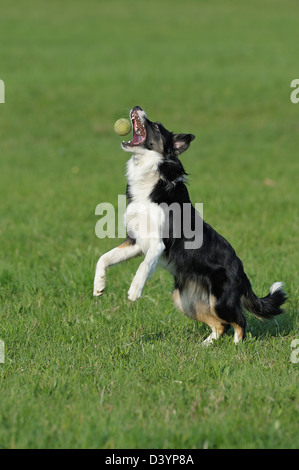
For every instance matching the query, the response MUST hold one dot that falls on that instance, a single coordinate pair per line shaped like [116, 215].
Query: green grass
[107, 373]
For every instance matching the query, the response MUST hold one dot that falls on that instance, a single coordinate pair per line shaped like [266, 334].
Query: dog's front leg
[147, 266]
[128, 249]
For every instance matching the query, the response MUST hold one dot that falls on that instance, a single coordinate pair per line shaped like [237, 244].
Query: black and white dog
[210, 284]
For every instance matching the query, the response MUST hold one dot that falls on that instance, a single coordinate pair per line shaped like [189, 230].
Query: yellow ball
[122, 126]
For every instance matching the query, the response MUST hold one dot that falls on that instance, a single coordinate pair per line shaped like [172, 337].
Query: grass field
[86, 373]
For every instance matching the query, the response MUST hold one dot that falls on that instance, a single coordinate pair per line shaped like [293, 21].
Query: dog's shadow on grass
[282, 325]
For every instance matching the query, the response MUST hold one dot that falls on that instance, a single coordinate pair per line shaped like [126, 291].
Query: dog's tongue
[137, 139]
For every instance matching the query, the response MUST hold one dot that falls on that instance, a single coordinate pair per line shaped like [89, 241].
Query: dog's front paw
[134, 292]
[99, 287]
[98, 292]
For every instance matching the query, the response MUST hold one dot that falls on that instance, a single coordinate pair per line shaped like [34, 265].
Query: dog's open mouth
[139, 132]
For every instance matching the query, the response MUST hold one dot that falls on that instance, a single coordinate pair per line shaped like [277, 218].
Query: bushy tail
[266, 307]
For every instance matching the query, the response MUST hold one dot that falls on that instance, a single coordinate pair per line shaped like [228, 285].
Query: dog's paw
[99, 287]
[97, 292]
[207, 342]
[134, 293]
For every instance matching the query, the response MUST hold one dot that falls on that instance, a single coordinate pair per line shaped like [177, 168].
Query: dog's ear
[181, 142]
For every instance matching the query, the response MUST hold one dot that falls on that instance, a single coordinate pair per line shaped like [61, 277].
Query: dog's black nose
[137, 108]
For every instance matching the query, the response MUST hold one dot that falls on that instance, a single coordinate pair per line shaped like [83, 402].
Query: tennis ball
[122, 126]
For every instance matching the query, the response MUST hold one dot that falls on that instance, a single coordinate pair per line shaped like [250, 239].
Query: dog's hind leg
[230, 310]
[126, 250]
[239, 328]
[201, 310]
[218, 326]
[218, 329]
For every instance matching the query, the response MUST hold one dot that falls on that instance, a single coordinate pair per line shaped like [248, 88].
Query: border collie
[210, 284]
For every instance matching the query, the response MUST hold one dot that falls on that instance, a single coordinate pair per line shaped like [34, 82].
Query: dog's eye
[156, 126]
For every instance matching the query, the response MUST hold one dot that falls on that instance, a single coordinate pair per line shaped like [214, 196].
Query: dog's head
[152, 136]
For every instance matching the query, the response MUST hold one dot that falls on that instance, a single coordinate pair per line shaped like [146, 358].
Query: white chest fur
[144, 219]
